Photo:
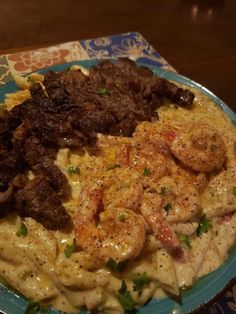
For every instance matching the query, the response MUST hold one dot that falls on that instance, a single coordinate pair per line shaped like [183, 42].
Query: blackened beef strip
[161, 86]
[6, 201]
[40, 161]
[10, 164]
[143, 79]
[111, 109]
[7, 198]
[39, 201]
[46, 167]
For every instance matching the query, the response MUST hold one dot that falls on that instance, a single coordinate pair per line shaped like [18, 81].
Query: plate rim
[176, 77]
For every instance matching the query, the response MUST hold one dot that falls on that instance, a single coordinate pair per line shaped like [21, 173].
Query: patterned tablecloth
[132, 45]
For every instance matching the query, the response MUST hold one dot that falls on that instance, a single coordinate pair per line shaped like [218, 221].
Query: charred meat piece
[11, 163]
[178, 95]
[113, 100]
[35, 152]
[7, 198]
[7, 201]
[40, 161]
[126, 76]
[39, 201]
[8, 123]
[57, 179]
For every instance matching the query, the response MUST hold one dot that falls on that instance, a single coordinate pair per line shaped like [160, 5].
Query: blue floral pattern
[132, 45]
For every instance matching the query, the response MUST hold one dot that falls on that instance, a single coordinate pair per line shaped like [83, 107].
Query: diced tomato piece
[225, 218]
[170, 135]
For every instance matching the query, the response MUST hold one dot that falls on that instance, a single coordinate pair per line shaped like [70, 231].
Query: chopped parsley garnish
[31, 80]
[234, 190]
[204, 225]
[113, 166]
[102, 91]
[70, 248]
[164, 191]
[185, 239]
[140, 281]
[126, 299]
[167, 207]
[122, 217]
[2, 106]
[67, 69]
[22, 231]
[146, 172]
[73, 170]
[116, 267]
[35, 307]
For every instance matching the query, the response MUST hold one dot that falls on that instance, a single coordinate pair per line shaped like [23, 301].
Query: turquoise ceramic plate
[206, 288]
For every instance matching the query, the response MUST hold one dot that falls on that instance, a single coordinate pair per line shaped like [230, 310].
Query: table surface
[197, 37]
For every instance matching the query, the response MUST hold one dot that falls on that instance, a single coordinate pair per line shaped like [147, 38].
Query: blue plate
[206, 288]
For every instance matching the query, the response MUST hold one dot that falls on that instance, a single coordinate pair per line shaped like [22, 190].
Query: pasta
[139, 260]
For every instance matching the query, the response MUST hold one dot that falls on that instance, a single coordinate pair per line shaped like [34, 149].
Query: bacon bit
[170, 135]
[167, 237]
[225, 219]
[178, 254]
[170, 241]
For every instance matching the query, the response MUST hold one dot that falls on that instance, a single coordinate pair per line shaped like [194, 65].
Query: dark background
[198, 38]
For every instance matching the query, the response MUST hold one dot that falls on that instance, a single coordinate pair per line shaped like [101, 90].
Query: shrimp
[155, 136]
[145, 161]
[173, 200]
[200, 148]
[149, 163]
[117, 233]
[151, 211]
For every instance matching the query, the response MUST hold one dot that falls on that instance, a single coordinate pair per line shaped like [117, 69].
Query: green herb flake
[31, 80]
[164, 191]
[167, 207]
[234, 190]
[2, 107]
[67, 70]
[122, 218]
[70, 248]
[123, 287]
[112, 264]
[146, 172]
[35, 307]
[73, 170]
[22, 231]
[113, 167]
[116, 267]
[140, 281]
[102, 91]
[185, 239]
[204, 225]
[126, 299]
